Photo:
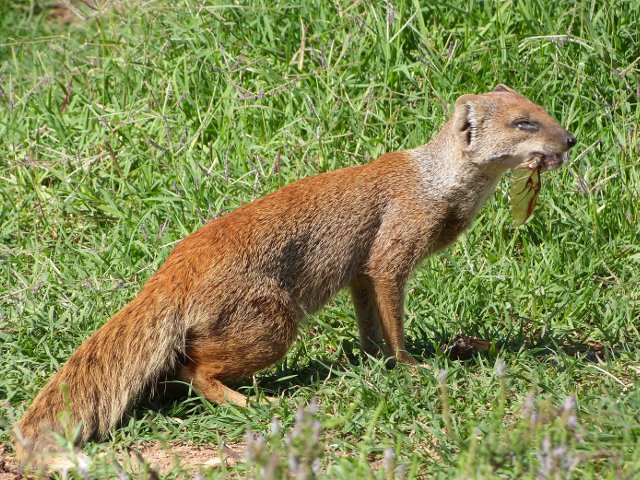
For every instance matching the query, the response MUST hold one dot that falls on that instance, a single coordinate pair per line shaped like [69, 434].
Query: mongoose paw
[406, 359]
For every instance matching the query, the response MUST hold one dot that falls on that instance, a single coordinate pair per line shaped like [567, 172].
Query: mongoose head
[503, 129]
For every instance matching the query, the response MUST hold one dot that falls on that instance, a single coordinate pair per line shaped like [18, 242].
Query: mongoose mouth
[545, 162]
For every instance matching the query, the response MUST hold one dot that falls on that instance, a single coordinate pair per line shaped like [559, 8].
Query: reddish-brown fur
[229, 299]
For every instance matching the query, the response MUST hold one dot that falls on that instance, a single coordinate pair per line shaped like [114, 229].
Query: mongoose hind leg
[209, 387]
[255, 335]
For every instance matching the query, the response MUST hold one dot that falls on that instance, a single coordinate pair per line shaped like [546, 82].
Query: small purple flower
[275, 429]
[555, 462]
[389, 460]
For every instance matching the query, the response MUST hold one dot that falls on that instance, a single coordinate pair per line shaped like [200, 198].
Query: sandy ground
[162, 457]
[155, 456]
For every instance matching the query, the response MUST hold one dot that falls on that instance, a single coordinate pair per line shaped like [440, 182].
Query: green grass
[178, 112]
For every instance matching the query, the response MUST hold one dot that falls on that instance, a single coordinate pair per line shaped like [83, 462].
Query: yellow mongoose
[230, 297]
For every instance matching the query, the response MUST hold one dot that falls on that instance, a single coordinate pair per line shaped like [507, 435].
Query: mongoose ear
[503, 88]
[467, 117]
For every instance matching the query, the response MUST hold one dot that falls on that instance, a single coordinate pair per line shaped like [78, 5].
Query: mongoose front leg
[367, 315]
[389, 296]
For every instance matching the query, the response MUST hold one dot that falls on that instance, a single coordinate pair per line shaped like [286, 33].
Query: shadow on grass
[284, 379]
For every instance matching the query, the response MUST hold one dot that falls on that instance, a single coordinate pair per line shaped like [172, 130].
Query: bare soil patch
[155, 458]
[161, 457]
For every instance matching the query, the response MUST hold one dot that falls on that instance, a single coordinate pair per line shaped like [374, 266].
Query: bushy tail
[106, 374]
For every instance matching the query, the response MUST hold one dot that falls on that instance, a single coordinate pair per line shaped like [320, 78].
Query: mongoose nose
[571, 141]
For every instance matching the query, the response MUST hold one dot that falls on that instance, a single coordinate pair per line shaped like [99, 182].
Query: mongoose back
[230, 297]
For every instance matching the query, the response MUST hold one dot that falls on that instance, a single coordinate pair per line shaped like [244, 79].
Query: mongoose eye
[526, 125]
